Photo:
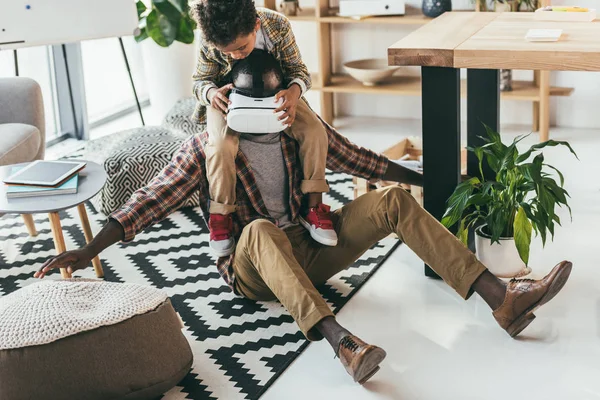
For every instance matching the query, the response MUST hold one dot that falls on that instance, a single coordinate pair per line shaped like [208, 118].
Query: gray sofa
[22, 125]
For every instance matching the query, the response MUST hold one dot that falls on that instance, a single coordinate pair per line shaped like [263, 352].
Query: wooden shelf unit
[411, 86]
[537, 91]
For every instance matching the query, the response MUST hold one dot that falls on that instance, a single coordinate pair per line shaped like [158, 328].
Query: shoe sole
[315, 236]
[223, 253]
[555, 286]
[369, 365]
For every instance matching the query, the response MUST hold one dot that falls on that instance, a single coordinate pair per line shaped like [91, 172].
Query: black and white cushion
[179, 118]
[131, 159]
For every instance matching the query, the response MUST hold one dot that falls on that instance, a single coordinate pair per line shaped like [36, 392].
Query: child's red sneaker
[319, 224]
[221, 241]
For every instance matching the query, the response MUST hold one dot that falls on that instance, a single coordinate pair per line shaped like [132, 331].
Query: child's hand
[290, 96]
[218, 98]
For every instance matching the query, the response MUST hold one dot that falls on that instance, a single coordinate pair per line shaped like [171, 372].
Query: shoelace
[522, 280]
[323, 219]
[348, 343]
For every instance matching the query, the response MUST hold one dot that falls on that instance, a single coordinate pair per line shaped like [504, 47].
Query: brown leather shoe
[524, 296]
[360, 359]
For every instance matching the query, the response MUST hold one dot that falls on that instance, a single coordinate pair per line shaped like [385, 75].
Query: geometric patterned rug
[240, 346]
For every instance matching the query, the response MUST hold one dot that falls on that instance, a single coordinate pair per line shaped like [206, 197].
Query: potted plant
[167, 32]
[503, 211]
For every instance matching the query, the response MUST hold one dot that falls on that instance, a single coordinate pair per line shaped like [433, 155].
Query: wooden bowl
[370, 71]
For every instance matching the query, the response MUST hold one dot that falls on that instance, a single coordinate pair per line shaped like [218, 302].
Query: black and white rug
[240, 347]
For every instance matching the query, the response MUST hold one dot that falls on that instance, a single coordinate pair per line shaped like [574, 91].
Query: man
[275, 257]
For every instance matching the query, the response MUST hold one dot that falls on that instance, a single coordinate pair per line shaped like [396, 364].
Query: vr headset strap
[258, 85]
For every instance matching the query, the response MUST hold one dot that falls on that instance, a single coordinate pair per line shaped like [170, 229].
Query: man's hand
[218, 98]
[290, 96]
[71, 260]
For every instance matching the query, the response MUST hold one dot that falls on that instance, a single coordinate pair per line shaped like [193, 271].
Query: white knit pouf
[50, 310]
[90, 339]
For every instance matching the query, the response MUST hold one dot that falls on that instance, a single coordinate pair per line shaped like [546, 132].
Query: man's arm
[344, 156]
[398, 173]
[147, 206]
[74, 260]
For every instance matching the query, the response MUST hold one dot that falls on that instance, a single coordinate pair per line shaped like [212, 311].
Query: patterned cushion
[179, 119]
[131, 159]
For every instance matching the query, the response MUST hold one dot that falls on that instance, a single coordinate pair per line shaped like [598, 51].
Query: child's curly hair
[223, 21]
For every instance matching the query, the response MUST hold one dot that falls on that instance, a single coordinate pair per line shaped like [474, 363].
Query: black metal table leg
[441, 139]
[483, 107]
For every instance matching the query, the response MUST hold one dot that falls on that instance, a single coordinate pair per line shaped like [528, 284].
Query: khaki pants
[222, 149]
[274, 264]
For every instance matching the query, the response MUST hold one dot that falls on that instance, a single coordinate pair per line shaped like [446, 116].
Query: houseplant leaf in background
[165, 21]
[185, 33]
[160, 28]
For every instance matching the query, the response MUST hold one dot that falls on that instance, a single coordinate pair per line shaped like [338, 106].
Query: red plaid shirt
[186, 173]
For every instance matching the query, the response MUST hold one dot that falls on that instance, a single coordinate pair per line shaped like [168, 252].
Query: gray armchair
[22, 125]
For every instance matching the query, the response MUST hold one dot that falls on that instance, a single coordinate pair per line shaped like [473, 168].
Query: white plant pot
[501, 259]
[168, 73]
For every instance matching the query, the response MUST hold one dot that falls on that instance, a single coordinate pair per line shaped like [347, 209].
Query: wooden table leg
[87, 231]
[59, 239]
[544, 105]
[30, 224]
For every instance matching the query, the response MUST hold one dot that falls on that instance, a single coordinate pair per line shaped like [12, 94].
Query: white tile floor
[441, 347]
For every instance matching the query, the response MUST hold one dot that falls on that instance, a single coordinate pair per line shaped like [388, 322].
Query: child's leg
[310, 134]
[220, 151]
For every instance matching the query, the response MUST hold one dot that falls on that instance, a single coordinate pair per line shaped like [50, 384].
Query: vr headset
[252, 105]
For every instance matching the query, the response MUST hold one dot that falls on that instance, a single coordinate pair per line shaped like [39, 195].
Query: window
[108, 90]
[36, 63]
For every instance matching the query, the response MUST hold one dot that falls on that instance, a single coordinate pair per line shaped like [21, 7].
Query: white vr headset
[254, 115]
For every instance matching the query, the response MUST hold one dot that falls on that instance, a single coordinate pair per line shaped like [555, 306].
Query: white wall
[352, 41]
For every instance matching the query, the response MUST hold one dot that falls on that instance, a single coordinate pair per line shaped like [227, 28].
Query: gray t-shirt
[265, 157]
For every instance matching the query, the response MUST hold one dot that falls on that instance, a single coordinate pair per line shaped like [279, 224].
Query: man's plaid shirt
[186, 173]
[213, 66]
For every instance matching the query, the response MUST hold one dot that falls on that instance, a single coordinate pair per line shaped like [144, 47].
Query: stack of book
[50, 185]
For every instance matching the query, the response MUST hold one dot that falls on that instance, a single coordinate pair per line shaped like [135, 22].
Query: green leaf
[141, 7]
[545, 198]
[167, 8]
[160, 28]
[522, 234]
[182, 5]
[558, 192]
[185, 34]
[539, 146]
[143, 35]
[458, 201]
[560, 175]
[463, 233]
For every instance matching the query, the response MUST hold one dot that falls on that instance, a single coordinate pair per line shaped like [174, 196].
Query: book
[20, 191]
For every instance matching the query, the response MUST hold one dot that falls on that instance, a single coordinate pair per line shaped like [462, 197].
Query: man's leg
[376, 214]
[221, 150]
[266, 268]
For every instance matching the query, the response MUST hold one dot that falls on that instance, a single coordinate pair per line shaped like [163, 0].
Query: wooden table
[91, 181]
[482, 43]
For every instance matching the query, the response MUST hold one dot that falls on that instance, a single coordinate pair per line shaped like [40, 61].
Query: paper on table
[543, 35]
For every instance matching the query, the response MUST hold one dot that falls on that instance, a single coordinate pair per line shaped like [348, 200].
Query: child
[232, 29]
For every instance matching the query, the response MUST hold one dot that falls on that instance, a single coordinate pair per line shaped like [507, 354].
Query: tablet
[45, 173]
